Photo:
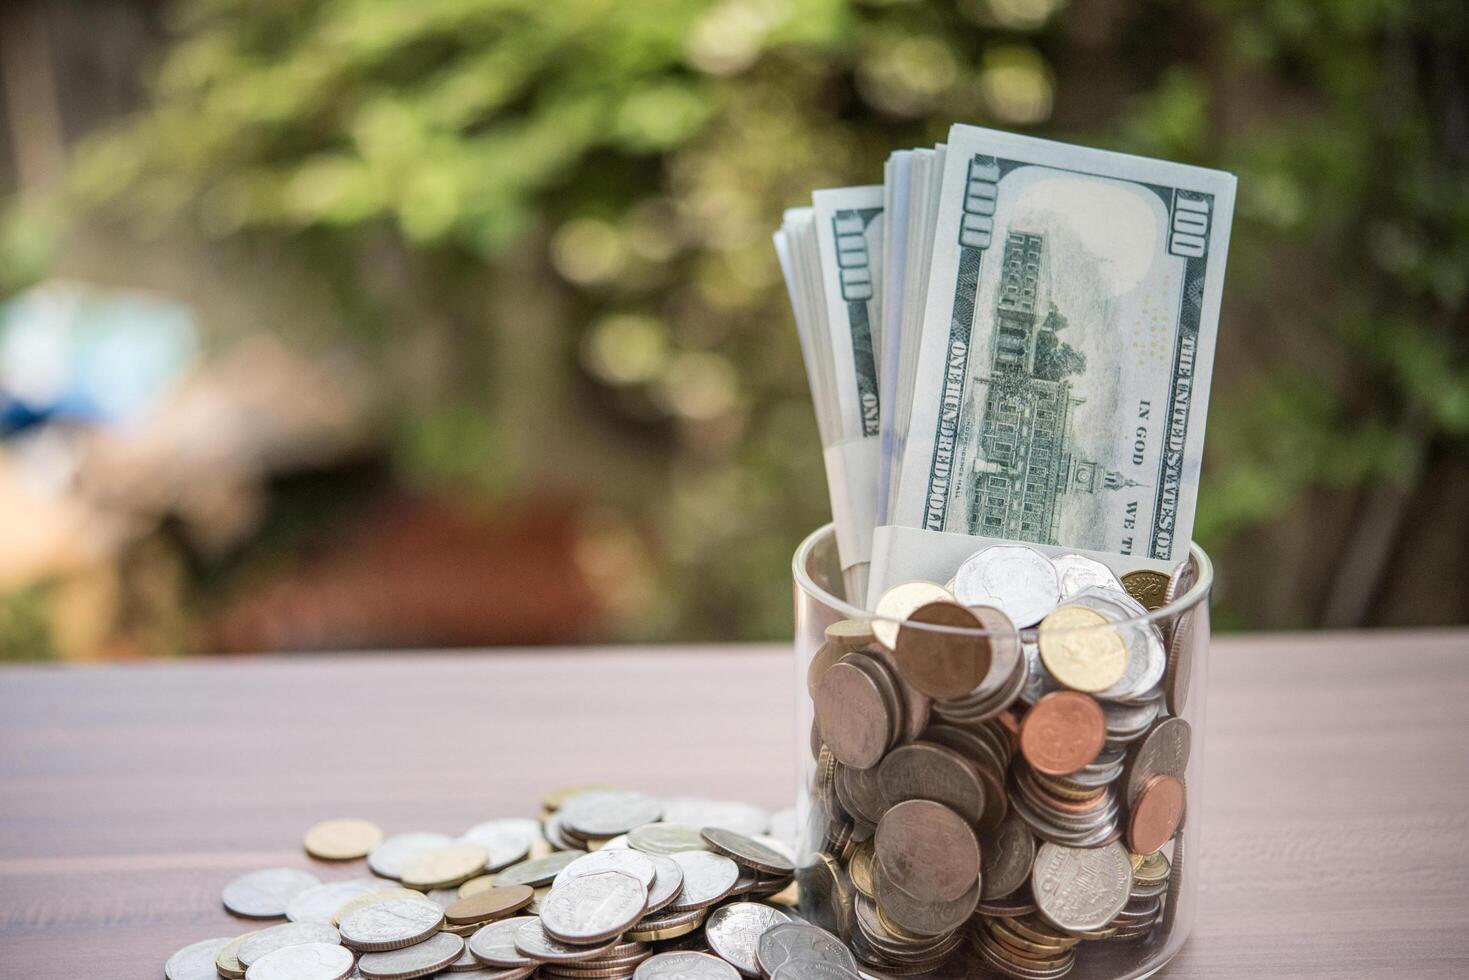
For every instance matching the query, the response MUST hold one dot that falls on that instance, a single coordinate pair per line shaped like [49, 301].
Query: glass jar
[891, 876]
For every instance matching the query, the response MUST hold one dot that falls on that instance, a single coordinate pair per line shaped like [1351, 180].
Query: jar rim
[1196, 594]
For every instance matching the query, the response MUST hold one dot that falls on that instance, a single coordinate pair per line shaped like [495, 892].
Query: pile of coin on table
[999, 765]
[612, 885]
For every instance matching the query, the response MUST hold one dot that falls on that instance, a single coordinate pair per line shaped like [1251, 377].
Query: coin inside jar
[1081, 888]
[1007, 854]
[1147, 587]
[927, 771]
[1156, 815]
[928, 851]
[898, 603]
[1062, 733]
[941, 650]
[853, 716]
[1081, 649]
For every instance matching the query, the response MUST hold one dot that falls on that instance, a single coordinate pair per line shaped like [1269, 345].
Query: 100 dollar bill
[1068, 342]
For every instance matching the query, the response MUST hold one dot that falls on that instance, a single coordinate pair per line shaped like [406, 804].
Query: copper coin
[928, 851]
[494, 903]
[1156, 814]
[1163, 752]
[852, 715]
[938, 651]
[1062, 733]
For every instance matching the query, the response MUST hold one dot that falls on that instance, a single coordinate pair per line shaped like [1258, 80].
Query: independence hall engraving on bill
[1023, 458]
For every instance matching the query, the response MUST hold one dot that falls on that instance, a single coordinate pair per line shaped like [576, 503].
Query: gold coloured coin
[850, 634]
[1081, 649]
[227, 960]
[1146, 586]
[661, 927]
[343, 839]
[1150, 869]
[859, 868]
[445, 867]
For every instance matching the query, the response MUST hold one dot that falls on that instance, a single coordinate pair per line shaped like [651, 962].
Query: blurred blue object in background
[82, 354]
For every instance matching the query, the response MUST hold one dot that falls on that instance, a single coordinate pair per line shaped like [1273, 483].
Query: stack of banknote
[1010, 339]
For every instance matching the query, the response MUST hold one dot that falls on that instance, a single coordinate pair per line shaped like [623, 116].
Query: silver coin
[925, 771]
[665, 838]
[1080, 572]
[195, 961]
[532, 940]
[269, 940]
[505, 841]
[1006, 856]
[495, 943]
[393, 856]
[733, 931]
[685, 965]
[320, 904]
[593, 907]
[418, 960]
[707, 878]
[696, 812]
[489, 973]
[667, 883]
[265, 894]
[814, 970]
[1019, 581]
[934, 919]
[537, 871]
[629, 862]
[1038, 680]
[396, 921]
[557, 836]
[859, 791]
[1126, 720]
[751, 853]
[313, 961]
[608, 812]
[1081, 888]
[466, 962]
[789, 941]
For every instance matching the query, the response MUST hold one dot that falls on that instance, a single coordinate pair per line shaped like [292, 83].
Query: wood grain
[1332, 843]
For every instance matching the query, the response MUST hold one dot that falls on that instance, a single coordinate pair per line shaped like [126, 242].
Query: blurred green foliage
[596, 181]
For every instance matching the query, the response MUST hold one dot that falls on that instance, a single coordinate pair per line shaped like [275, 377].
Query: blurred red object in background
[418, 572]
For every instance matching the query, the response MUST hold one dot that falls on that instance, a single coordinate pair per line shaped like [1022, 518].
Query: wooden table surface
[1333, 840]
